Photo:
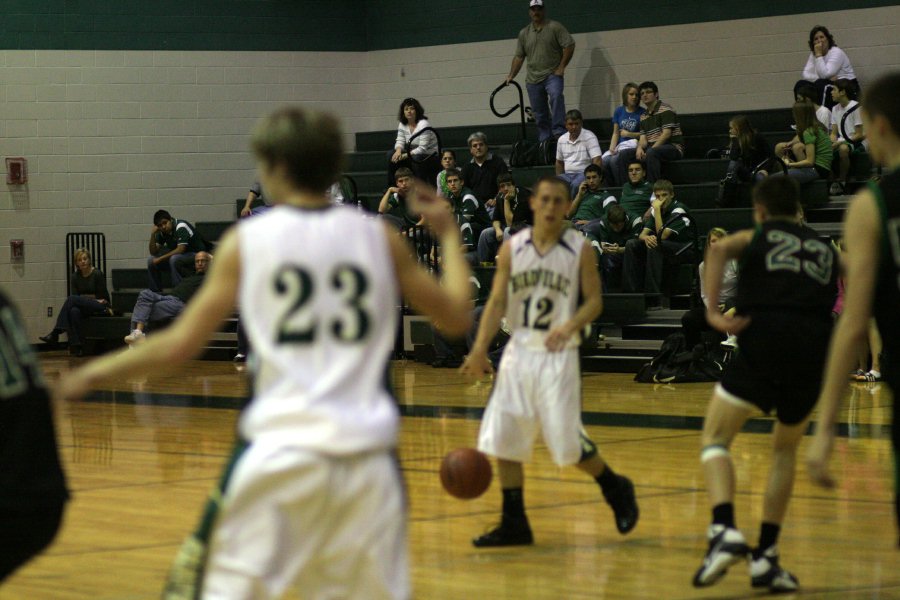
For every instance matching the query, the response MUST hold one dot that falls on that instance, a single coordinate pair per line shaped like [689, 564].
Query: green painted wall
[403, 24]
[343, 25]
[290, 25]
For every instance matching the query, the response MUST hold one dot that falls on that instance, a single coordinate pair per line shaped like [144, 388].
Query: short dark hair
[554, 180]
[420, 110]
[823, 29]
[449, 151]
[807, 91]
[454, 172]
[574, 115]
[845, 85]
[664, 185]
[307, 143]
[592, 168]
[648, 85]
[880, 98]
[402, 172]
[635, 161]
[616, 214]
[780, 196]
[504, 178]
[160, 215]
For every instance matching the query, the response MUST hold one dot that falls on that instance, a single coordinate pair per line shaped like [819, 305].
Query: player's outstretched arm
[448, 304]
[591, 305]
[862, 235]
[477, 364]
[730, 247]
[182, 341]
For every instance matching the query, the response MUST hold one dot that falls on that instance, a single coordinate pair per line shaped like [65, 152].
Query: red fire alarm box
[16, 170]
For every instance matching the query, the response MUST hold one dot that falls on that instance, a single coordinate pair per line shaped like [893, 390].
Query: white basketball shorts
[535, 390]
[334, 526]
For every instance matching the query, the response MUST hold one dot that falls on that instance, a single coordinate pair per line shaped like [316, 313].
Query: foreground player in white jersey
[548, 287]
[313, 495]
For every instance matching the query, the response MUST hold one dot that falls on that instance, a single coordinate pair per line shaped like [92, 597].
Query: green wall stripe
[466, 21]
[284, 25]
[346, 25]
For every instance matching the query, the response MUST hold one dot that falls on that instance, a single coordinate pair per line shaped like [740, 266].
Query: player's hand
[476, 366]
[70, 387]
[154, 230]
[817, 457]
[582, 188]
[640, 154]
[581, 222]
[557, 338]
[507, 80]
[730, 324]
[650, 241]
[423, 200]
[499, 235]
[396, 155]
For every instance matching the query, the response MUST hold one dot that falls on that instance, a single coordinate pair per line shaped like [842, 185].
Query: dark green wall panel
[332, 25]
[402, 24]
[344, 25]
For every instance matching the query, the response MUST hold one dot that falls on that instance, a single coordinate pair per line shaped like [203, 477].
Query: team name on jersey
[541, 278]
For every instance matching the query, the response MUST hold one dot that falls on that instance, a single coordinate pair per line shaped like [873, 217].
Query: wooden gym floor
[142, 455]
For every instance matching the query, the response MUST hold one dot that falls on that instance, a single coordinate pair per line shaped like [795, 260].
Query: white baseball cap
[534, 3]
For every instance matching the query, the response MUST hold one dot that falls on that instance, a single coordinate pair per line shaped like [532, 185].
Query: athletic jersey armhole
[757, 232]
[880, 204]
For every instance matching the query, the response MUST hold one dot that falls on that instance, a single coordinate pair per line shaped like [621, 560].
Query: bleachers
[631, 334]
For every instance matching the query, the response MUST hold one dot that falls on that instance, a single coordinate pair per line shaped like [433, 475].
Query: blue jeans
[155, 274]
[73, 310]
[574, 180]
[804, 175]
[550, 118]
[151, 306]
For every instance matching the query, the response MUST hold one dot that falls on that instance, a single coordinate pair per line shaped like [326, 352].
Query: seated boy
[393, 204]
[844, 146]
[591, 201]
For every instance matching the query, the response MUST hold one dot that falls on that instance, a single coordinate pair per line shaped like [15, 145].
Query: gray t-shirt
[544, 49]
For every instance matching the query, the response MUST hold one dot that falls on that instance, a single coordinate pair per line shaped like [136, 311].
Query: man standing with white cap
[549, 48]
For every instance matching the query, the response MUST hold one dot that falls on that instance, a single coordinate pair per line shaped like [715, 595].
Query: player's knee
[588, 448]
[713, 451]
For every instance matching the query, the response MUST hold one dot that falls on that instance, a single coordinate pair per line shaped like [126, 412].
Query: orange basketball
[466, 473]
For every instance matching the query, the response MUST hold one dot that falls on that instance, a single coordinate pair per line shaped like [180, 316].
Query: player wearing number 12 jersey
[312, 495]
[548, 287]
[787, 284]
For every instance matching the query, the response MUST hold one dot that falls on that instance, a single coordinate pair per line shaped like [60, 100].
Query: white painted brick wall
[111, 136]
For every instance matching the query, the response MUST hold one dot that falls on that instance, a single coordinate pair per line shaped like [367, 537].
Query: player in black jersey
[872, 238]
[32, 486]
[787, 284]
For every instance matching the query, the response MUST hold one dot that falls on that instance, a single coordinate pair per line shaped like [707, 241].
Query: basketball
[465, 473]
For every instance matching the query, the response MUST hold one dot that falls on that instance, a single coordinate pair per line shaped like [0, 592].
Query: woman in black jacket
[748, 150]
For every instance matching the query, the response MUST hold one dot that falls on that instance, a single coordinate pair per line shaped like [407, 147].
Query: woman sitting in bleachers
[813, 160]
[626, 132]
[826, 64]
[414, 147]
[89, 297]
[748, 149]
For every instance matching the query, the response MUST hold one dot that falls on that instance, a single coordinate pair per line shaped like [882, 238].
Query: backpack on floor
[676, 363]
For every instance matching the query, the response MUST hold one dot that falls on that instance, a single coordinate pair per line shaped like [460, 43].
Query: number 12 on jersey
[540, 309]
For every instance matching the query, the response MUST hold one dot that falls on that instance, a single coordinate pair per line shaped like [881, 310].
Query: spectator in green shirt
[173, 242]
[591, 201]
[815, 161]
[666, 240]
[637, 192]
[614, 232]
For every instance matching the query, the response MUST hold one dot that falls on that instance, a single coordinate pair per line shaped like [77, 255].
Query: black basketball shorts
[779, 364]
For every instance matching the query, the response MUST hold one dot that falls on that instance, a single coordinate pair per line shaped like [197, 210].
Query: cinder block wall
[112, 135]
